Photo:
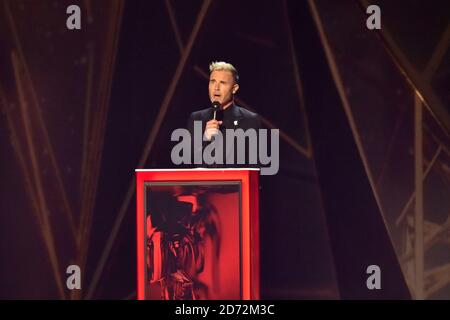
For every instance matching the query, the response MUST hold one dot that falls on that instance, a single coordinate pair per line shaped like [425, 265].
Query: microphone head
[216, 105]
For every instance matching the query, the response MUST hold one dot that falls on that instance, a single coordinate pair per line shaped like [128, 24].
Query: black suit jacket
[236, 118]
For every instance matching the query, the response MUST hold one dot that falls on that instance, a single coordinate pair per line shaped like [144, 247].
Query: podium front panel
[197, 234]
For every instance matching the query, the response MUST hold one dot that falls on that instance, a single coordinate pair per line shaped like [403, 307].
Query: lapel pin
[235, 122]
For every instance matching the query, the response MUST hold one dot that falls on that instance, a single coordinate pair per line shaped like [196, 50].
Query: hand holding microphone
[212, 126]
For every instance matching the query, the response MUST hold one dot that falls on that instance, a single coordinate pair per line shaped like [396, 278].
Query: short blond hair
[224, 66]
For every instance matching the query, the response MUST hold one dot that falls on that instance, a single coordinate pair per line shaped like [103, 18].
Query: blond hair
[224, 66]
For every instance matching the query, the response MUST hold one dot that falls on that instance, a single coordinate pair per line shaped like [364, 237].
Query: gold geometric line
[30, 191]
[88, 6]
[67, 208]
[94, 154]
[294, 144]
[283, 135]
[419, 253]
[438, 54]
[76, 294]
[415, 80]
[95, 133]
[443, 272]
[148, 146]
[444, 145]
[437, 270]
[19, 152]
[298, 80]
[432, 64]
[392, 138]
[411, 197]
[48, 236]
[347, 108]
[430, 240]
[174, 24]
[86, 130]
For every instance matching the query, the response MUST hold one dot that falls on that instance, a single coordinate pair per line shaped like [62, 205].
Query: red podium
[197, 234]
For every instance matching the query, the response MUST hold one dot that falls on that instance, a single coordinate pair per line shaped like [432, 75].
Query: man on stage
[223, 85]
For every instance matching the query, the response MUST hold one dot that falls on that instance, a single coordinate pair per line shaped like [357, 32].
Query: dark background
[82, 109]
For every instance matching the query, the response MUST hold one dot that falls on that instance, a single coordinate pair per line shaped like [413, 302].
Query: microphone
[216, 107]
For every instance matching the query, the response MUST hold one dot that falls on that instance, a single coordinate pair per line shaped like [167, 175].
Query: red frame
[249, 179]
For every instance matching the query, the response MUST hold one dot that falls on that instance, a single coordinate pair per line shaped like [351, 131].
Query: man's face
[222, 87]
